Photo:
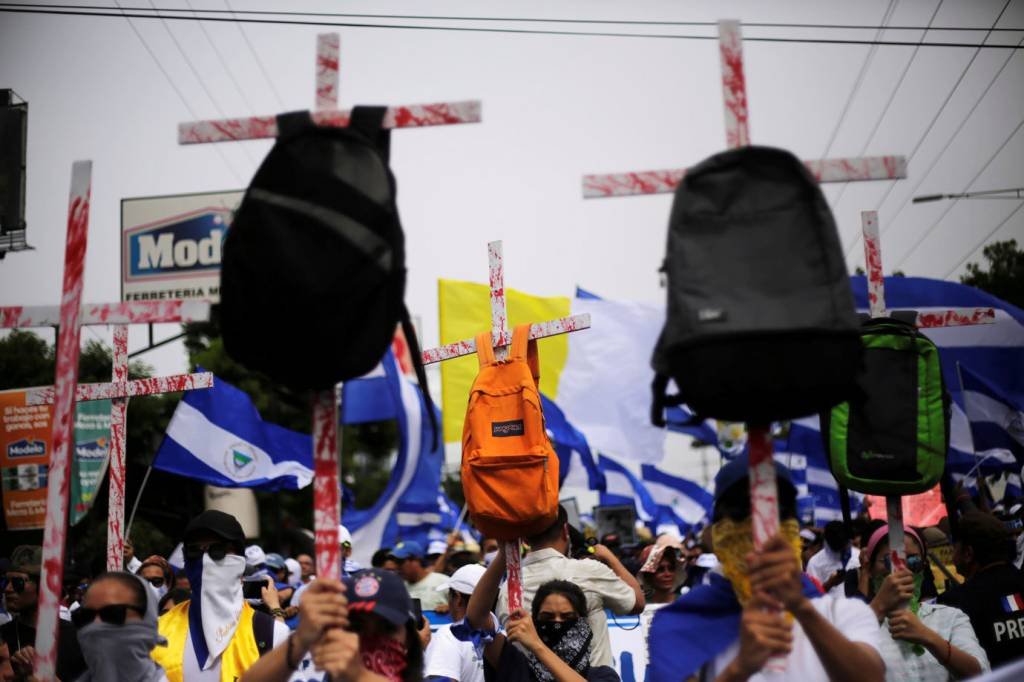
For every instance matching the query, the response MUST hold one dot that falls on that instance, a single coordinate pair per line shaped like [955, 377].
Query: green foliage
[1004, 277]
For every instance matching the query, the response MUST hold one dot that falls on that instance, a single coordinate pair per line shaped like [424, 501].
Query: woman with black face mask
[554, 640]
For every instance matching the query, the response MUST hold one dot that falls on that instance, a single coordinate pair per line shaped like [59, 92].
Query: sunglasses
[155, 582]
[216, 551]
[113, 614]
[915, 564]
[17, 584]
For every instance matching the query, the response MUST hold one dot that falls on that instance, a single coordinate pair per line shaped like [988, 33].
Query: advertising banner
[25, 432]
[171, 246]
[92, 452]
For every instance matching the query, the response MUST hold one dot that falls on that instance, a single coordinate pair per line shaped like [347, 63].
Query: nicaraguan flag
[683, 501]
[624, 487]
[576, 465]
[410, 499]
[997, 421]
[217, 436]
[805, 448]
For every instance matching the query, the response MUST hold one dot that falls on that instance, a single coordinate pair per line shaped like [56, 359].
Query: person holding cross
[757, 610]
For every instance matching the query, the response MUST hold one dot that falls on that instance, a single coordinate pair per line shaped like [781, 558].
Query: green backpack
[891, 437]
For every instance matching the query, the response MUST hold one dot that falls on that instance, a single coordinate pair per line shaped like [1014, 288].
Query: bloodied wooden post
[500, 340]
[66, 392]
[929, 320]
[326, 439]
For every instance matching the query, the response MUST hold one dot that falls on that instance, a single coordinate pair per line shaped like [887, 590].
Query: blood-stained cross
[326, 439]
[500, 339]
[737, 134]
[929, 320]
[66, 391]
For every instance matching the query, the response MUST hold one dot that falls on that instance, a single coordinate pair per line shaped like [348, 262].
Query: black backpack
[892, 435]
[761, 324]
[313, 273]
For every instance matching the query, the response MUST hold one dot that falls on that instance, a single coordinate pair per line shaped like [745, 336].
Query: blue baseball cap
[275, 561]
[374, 590]
[738, 470]
[408, 550]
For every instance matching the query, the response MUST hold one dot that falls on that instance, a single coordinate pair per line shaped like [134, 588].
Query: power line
[544, 20]
[199, 77]
[931, 124]
[256, 58]
[223, 61]
[860, 79]
[466, 29]
[181, 96]
[949, 142]
[954, 202]
[888, 104]
[985, 239]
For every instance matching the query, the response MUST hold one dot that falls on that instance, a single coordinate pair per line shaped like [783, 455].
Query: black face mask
[551, 632]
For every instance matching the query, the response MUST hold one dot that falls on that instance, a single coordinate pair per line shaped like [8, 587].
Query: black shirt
[70, 663]
[994, 601]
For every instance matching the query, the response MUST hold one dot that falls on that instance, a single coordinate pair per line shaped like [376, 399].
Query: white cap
[255, 556]
[463, 580]
[344, 536]
[437, 547]
[707, 561]
[808, 534]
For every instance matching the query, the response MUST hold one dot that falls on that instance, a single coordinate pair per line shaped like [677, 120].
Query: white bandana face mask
[220, 601]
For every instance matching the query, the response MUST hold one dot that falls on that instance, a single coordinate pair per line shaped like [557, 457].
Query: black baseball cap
[218, 523]
[375, 590]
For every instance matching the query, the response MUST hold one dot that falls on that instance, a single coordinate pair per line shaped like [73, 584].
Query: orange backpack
[509, 469]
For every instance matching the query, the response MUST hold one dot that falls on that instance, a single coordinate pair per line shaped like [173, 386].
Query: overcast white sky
[554, 108]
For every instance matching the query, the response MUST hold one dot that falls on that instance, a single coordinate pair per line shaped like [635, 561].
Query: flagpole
[135, 507]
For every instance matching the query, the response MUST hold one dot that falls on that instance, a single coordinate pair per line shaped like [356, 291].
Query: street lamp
[1014, 193]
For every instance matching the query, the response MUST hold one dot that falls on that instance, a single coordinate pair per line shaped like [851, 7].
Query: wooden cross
[326, 475]
[501, 339]
[66, 391]
[929, 320]
[763, 489]
[734, 93]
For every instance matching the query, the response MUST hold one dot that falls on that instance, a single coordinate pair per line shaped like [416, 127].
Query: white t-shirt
[852, 617]
[602, 588]
[451, 658]
[825, 563]
[190, 665]
[426, 591]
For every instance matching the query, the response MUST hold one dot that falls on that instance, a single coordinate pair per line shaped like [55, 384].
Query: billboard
[25, 432]
[171, 246]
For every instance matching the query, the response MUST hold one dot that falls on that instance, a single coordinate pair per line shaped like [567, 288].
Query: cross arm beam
[665, 181]
[44, 395]
[540, 330]
[125, 312]
[263, 127]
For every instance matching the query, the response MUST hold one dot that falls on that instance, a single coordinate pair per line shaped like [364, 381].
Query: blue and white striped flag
[624, 487]
[997, 421]
[680, 501]
[576, 465]
[805, 449]
[410, 499]
[216, 435]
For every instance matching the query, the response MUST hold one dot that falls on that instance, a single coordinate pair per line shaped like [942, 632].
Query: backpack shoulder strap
[263, 631]
[484, 350]
[421, 374]
[369, 122]
[525, 350]
[292, 123]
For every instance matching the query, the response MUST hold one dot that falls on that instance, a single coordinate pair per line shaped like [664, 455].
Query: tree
[1004, 277]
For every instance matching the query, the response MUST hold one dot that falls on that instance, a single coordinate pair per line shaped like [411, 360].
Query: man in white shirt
[830, 564]
[421, 582]
[736, 627]
[605, 582]
[448, 658]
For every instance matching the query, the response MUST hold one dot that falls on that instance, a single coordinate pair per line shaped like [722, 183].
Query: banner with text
[92, 452]
[25, 432]
[171, 246]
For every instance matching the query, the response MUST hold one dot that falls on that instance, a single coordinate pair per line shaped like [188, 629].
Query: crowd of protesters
[810, 605]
